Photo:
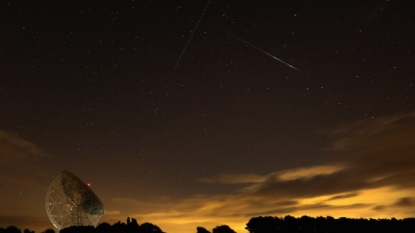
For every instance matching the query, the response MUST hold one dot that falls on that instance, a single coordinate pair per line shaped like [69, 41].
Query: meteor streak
[191, 35]
[246, 42]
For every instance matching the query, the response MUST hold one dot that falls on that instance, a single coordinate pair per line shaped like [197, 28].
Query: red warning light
[89, 184]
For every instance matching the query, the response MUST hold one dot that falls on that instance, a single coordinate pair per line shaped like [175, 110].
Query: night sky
[181, 113]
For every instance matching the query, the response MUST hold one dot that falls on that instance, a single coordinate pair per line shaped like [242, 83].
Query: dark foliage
[29, 231]
[78, 229]
[131, 226]
[11, 229]
[223, 229]
[150, 228]
[49, 230]
[261, 224]
[202, 230]
[306, 224]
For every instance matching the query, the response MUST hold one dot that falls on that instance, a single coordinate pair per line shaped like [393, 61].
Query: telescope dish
[70, 202]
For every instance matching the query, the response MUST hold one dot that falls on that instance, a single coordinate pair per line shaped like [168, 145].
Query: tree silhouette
[202, 230]
[49, 230]
[223, 229]
[133, 226]
[290, 224]
[149, 228]
[263, 224]
[306, 224]
[103, 227]
[28, 231]
[12, 229]
[134, 222]
[77, 229]
[119, 227]
[266, 224]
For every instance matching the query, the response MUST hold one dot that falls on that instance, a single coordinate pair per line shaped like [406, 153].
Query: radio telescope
[70, 202]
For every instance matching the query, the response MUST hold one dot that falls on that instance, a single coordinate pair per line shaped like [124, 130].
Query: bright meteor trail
[246, 42]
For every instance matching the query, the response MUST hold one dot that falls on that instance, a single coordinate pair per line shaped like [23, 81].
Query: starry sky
[181, 113]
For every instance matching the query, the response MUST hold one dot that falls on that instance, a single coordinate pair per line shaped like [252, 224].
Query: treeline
[131, 226]
[306, 224]
[266, 224]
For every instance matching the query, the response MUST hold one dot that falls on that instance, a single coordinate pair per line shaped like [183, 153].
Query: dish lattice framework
[69, 202]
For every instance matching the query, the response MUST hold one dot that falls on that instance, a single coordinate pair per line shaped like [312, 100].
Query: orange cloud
[13, 147]
[235, 179]
[369, 174]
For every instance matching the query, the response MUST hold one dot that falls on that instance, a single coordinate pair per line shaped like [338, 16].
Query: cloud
[406, 202]
[309, 172]
[378, 154]
[350, 134]
[320, 185]
[342, 196]
[366, 154]
[379, 207]
[13, 147]
[235, 179]
[20, 160]
[369, 174]
[290, 174]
